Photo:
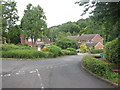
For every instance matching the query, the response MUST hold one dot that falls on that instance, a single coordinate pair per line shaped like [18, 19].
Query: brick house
[91, 40]
[39, 42]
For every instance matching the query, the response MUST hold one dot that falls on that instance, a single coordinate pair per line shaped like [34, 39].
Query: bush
[96, 66]
[6, 47]
[66, 43]
[28, 54]
[71, 49]
[45, 49]
[111, 51]
[100, 68]
[83, 48]
[95, 51]
[55, 50]
[67, 52]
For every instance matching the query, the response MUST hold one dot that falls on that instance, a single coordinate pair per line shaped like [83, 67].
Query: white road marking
[31, 72]
[8, 75]
[42, 86]
[1, 75]
[17, 73]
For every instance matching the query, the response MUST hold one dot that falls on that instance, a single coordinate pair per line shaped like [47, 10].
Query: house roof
[91, 44]
[74, 37]
[87, 36]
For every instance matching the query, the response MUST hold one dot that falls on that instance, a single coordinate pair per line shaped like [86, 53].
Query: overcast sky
[56, 11]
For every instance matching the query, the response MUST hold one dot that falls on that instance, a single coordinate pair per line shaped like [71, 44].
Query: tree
[105, 18]
[14, 34]
[33, 22]
[9, 17]
[66, 43]
[83, 48]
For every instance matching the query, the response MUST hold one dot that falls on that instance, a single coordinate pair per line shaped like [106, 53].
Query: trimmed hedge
[95, 51]
[67, 52]
[13, 51]
[100, 68]
[71, 49]
[6, 47]
[26, 54]
[111, 51]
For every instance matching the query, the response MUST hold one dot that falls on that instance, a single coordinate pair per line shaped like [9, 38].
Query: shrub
[96, 66]
[45, 49]
[55, 50]
[95, 51]
[28, 54]
[67, 52]
[71, 49]
[83, 48]
[66, 43]
[6, 47]
[111, 51]
[100, 68]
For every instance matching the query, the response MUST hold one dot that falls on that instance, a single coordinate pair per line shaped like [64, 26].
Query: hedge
[67, 52]
[6, 47]
[71, 49]
[26, 54]
[14, 51]
[111, 51]
[55, 50]
[100, 68]
[95, 51]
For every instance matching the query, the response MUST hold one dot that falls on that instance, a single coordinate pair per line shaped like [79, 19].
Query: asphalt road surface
[61, 72]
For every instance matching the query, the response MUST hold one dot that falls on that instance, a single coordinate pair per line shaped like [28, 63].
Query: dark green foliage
[67, 52]
[111, 51]
[14, 51]
[6, 47]
[14, 34]
[66, 43]
[33, 22]
[95, 51]
[28, 54]
[100, 68]
[96, 66]
[9, 17]
[71, 49]
[55, 50]
[105, 20]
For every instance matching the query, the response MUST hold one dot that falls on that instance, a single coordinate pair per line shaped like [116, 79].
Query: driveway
[61, 72]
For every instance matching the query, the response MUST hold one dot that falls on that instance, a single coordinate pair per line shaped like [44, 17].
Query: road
[61, 72]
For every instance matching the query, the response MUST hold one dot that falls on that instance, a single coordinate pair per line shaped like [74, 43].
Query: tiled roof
[74, 37]
[87, 36]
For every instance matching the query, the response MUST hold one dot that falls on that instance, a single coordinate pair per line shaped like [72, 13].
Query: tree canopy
[33, 22]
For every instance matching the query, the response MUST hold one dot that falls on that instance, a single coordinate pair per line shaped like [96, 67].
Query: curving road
[61, 72]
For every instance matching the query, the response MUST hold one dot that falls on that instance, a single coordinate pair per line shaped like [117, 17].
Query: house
[39, 43]
[91, 40]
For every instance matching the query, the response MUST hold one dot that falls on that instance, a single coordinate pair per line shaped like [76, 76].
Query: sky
[56, 11]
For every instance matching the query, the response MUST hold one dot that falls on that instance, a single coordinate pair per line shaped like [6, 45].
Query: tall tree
[9, 17]
[33, 22]
[105, 18]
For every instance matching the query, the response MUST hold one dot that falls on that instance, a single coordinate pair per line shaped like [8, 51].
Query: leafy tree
[33, 22]
[9, 17]
[83, 48]
[66, 43]
[112, 51]
[14, 34]
[105, 18]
